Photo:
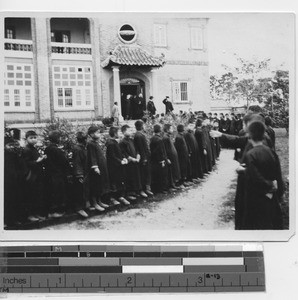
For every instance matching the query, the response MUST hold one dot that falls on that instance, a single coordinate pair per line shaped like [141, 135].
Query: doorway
[132, 105]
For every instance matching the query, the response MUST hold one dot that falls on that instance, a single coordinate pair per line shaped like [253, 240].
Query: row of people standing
[53, 183]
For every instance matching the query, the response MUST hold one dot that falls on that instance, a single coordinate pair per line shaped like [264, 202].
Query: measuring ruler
[131, 269]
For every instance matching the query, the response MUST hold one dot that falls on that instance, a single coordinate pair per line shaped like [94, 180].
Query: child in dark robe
[183, 155]
[172, 155]
[202, 144]
[97, 171]
[132, 171]
[116, 163]
[196, 168]
[142, 147]
[80, 174]
[159, 162]
[34, 187]
[58, 171]
[263, 183]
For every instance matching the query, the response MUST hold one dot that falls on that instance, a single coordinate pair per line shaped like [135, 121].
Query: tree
[277, 102]
[246, 76]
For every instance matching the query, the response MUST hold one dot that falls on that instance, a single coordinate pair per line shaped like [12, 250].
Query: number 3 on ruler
[200, 279]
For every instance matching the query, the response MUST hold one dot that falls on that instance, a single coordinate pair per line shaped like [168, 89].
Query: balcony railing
[71, 48]
[17, 45]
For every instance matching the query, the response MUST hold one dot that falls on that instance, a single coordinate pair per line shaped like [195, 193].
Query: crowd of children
[47, 185]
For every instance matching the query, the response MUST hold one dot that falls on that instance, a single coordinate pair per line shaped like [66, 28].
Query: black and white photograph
[137, 122]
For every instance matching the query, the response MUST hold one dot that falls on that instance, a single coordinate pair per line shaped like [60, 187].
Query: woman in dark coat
[183, 153]
[159, 162]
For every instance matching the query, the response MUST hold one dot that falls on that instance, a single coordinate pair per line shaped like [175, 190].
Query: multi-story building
[77, 67]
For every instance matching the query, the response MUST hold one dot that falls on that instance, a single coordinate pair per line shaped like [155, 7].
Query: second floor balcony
[71, 51]
[18, 48]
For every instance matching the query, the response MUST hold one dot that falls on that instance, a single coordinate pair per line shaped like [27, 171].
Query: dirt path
[198, 207]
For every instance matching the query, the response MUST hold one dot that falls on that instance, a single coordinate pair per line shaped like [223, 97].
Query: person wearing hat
[35, 180]
[58, 170]
[151, 107]
[97, 171]
[168, 104]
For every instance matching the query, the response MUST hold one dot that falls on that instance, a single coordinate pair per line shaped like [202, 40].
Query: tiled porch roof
[128, 55]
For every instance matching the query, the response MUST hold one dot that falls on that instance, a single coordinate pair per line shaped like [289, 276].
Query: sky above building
[259, 35]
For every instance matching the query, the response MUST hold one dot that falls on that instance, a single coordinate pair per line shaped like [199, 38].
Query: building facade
[76, 68]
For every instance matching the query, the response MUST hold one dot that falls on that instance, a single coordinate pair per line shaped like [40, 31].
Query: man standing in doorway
[168, 104]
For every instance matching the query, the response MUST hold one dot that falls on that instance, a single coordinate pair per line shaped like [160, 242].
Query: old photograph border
[156, 235]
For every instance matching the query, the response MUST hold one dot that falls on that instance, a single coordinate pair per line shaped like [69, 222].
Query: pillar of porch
[117, 92]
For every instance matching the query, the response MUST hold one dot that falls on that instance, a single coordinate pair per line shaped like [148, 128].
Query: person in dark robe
[80, 184]
[34, 187]
[242, 142]
[210, 117]
[159, 162]
[128, 107]
[202, 144]
[58, 173]
[168, 105]
[140, 107]
[196, 171]
[174, 175]
[15, 172]
[238, 154]
[263, 183]
[270, 131]
[151, 107]
[123, 106]
[215, 118]
[132, 170]
[210, 156]
[98, 176]
[233, 127]
[142, 147]
[227, 127]
[222, 123]
[239, 123]
[116, 163]
[217, 142]
[183, 155]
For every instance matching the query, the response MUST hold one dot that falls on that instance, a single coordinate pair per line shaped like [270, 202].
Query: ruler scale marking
[171, 269]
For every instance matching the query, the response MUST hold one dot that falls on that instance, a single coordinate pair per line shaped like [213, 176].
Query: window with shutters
[196, 38]
[160, 35]
[180, 90]
[18, 87]
[73, 88]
